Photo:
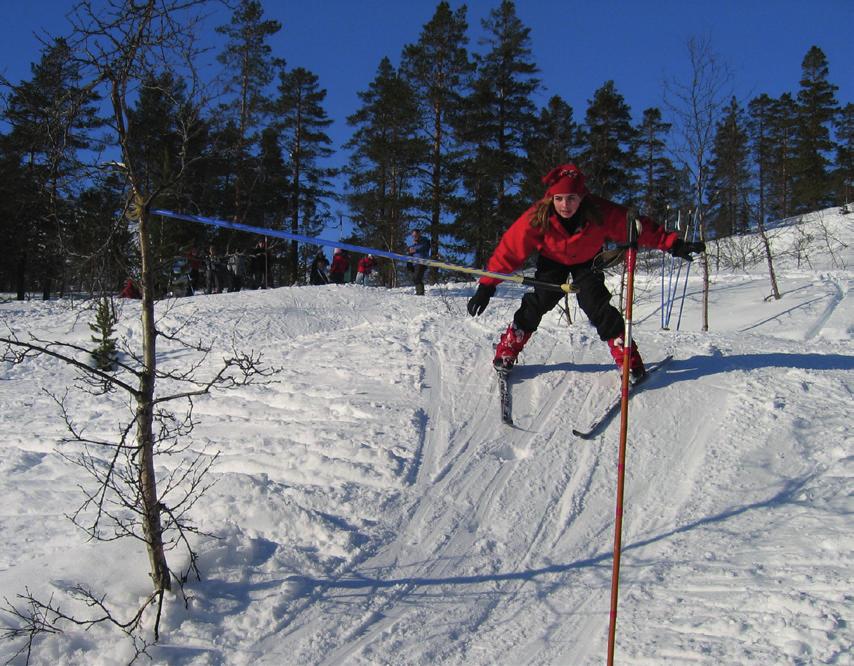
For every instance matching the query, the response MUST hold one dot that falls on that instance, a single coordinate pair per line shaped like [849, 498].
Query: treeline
[451, 141]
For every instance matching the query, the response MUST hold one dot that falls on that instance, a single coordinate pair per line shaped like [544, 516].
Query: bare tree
[121, 44]
[118, 504]
[696, 105]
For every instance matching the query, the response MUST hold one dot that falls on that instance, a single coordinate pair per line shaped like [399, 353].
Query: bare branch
[17, 351]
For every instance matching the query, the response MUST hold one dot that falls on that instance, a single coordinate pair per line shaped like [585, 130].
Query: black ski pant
[418, 278]
[593, 298]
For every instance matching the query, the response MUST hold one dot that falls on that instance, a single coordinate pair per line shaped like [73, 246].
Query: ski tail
[505, 396]
[601, 422]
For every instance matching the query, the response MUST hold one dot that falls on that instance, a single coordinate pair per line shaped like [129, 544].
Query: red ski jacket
[366, 265]
[340, 264]
[554, 242]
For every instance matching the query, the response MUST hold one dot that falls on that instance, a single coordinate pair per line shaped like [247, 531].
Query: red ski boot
[616, 345]
[509, 346]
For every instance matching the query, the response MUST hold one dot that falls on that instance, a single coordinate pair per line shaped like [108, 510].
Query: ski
[599, 424]
[505, 395]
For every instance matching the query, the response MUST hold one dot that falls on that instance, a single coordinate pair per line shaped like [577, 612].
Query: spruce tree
[52, 119]
[608, 160]
[555, 139]
[250, 68]
[658, 183]
[385, 154]
[817, 107]
[156, 126]
[104, 328]
[302, 121]
[438, 69]
[271, 199]
[729, 178]
[499, 115]
[18, 207]
[783, 130]
[759, 123]
[844, 172]
[100, 238]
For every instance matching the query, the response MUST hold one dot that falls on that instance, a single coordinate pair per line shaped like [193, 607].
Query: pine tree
[250, 69]
[18, 218]
[498, 116]
[156, 126]
[303, 121]
[729, 179]
[52, 119]
[555, 139]
[104, 328]
[271, 199]
[844, 172]
[385, 153]
[659, 189]
[438, 69]
[99, 237]
[817, 107]
[783, 130]
[759, 123]
[608, 160]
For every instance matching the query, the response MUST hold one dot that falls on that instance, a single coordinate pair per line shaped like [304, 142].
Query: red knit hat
[565, 179]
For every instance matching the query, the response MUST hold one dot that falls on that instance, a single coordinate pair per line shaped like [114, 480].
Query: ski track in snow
[371, 507]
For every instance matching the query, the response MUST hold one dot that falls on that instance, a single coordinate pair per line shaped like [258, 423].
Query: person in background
[217, 274]
[317, 273]
[196, 263]
[420, 247]
[237, 263]
[365, 267]
[340, 265]
[260, 265]
[568, 228]
[130, 290]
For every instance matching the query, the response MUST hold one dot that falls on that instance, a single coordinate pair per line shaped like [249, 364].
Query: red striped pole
[631, 258]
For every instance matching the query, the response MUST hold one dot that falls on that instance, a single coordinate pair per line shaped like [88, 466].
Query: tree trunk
[770, 259]
[21, 277]
[705, 284]
[152, 526]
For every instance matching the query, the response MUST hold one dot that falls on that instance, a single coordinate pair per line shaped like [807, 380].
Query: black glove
[684, 249]
[478, 302]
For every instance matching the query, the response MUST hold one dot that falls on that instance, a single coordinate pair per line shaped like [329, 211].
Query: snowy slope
[370, 507]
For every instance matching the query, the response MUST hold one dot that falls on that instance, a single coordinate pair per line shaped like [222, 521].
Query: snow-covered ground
[370, 507]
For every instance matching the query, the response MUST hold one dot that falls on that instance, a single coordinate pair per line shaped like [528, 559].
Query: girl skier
[568, 227]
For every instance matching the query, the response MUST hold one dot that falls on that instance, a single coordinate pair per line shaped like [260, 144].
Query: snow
[371, 508]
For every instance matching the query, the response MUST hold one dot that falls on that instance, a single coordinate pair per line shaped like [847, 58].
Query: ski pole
[688, 270]
[668, 307]
[632, 231]
[566, 288]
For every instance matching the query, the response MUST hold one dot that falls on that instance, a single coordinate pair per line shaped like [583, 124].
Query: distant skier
[317, 273]
[364, 269]
[420, 247]
[568, 228]
[340, 266]
[216, 273]
[130, 290]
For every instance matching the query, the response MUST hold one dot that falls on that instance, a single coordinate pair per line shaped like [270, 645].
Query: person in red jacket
[130, 290]
[340, 265]
[568, 228]
[365, 267]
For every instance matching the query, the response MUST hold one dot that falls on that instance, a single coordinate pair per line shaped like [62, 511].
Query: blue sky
[577, 45]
